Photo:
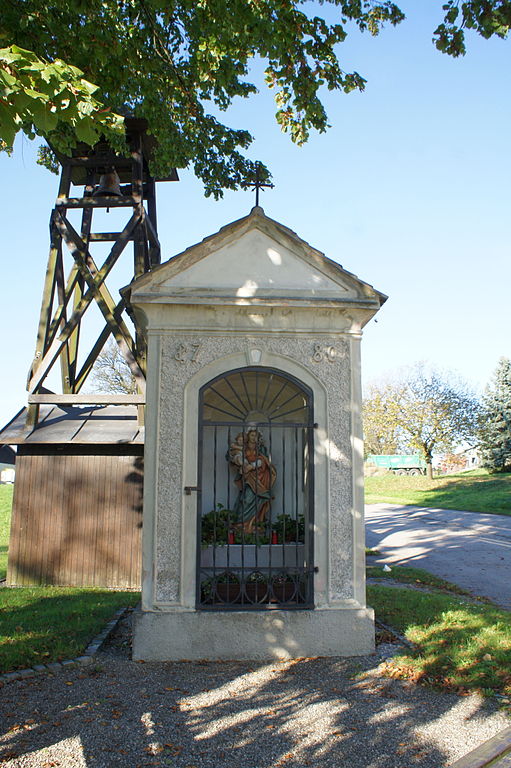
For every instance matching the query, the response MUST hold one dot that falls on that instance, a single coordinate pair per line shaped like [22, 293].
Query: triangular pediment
[254, 264]
[254, 258]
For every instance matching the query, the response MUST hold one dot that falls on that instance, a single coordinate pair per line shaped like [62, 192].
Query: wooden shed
[77, 511]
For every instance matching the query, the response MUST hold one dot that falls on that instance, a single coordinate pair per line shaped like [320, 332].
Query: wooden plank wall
[77, 516]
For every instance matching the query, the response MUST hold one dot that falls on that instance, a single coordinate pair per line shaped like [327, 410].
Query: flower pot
[256, 592]
[227, 592]
[284, 592]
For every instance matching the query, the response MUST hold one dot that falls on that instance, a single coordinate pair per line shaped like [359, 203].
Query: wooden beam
[93, 354]
[91, 273]
[93, 163]
[151, 232]
[74, 340]
[75, 275]
[49, 283]
[123, 338]
[61, 310]
[99, 202]
[93, 399]
[48, 294]
[104, 237]
[152, 226]
[61, 295]
[122, 240]
[118, 327]
[32, 416]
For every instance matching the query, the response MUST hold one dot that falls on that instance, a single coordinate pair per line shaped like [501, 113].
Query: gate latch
[189, 489]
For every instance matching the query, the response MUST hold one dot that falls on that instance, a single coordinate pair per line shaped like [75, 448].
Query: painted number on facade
[186, 353]
[321, 353]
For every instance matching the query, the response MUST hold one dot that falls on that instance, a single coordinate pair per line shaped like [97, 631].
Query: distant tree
[381, 433]
[111, 372]
[425, 411]
[495, 422]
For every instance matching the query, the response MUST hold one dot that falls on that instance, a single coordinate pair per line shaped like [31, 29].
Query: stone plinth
[252, 635]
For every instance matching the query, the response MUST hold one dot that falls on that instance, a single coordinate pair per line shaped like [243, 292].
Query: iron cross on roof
[258, 183]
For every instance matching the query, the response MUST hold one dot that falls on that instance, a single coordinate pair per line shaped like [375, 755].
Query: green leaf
[45, 119]
[8, 126]
[8, 82]
[86, 131]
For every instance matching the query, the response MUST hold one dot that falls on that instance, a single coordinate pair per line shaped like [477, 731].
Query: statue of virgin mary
[255, 477]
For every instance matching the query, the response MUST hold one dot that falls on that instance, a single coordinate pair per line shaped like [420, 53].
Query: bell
[109, 185]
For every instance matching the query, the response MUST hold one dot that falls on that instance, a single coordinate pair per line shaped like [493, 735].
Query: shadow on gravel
[317, 712]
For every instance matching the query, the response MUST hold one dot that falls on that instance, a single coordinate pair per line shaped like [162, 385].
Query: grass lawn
[473, 491]
[460, 645]
[43, 624]
[417, 577]
[5, 524]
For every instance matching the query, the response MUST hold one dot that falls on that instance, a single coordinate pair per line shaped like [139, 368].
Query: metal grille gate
[255, 510]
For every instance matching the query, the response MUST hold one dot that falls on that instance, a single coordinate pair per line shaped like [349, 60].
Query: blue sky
[409, 189]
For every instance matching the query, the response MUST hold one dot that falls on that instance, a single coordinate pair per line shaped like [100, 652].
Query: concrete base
[268, 635]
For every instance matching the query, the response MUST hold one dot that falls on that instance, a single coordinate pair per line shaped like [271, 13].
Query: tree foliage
[180, 64]
[379, 415]
[111, 373]
[486, 17]
[423, 411]
[495, 422]
[42, 98]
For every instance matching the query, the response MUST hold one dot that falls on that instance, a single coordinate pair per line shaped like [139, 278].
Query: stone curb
[79, 661]
[494, 753]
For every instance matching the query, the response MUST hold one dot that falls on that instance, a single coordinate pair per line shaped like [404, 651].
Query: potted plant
[288, 528]
[226, 588]
[284, 588]
[260, 535]
[215, 526]
[256, 587]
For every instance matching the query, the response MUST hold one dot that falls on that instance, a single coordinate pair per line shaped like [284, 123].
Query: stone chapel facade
[253, 541]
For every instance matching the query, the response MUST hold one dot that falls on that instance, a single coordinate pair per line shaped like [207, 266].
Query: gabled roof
[253, 260]
[91, 425]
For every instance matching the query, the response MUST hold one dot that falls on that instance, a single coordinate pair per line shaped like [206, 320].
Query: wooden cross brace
[55, 333]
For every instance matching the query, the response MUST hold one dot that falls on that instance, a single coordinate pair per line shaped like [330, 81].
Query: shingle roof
[107, 425]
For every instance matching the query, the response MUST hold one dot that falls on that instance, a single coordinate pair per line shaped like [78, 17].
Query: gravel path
[312, 712]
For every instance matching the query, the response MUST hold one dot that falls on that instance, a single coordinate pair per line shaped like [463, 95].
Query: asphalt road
[469, 549]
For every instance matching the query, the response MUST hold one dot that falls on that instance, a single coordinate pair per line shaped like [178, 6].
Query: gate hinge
[190, 488]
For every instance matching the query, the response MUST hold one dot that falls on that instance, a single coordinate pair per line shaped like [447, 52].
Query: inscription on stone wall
[187, 353]
[324, 352]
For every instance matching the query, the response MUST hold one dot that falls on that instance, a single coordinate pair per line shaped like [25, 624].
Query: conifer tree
[495, 427]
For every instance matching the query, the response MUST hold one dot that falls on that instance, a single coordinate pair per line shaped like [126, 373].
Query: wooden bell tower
[77, 510]
[67, 298]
